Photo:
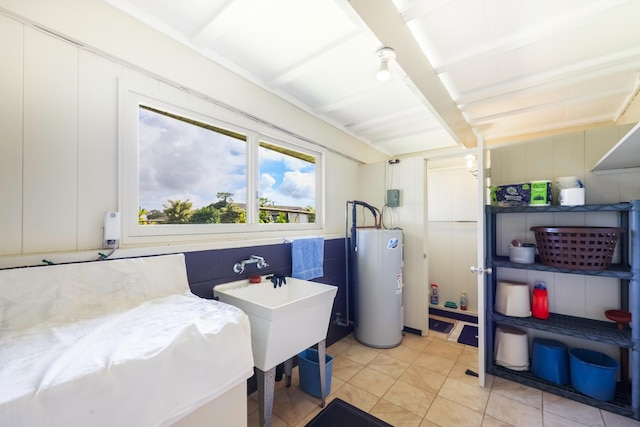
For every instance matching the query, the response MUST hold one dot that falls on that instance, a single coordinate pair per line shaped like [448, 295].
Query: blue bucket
[593, 373]
[550, 360]
[309, 371]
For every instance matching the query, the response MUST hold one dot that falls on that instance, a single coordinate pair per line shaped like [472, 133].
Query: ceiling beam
[386, 23]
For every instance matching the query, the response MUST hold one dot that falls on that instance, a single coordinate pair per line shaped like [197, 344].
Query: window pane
[287, 185]
[189, 172]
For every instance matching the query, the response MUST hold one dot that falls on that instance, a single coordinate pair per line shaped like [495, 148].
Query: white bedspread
[136, 362]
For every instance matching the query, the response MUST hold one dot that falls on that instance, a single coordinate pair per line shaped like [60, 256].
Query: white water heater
[378, 288]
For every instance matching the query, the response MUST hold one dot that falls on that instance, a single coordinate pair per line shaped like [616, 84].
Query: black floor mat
[469, 335]
[339, 413]
[440, 326]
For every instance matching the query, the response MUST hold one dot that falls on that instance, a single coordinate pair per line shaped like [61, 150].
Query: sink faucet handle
[238, 267]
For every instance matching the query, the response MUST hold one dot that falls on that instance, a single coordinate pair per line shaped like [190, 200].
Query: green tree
[264, 215]
[232, 214]
[282, 218]
[142, 216]
[224, 199]
[205, 215]
[312, 213]
[177, 211]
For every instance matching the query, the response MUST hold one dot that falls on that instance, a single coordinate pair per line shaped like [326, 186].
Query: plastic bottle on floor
[463, 301]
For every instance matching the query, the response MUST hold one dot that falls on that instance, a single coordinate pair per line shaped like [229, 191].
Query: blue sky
[180, 161]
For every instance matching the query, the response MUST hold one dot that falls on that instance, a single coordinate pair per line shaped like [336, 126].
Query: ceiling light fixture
[384, 54]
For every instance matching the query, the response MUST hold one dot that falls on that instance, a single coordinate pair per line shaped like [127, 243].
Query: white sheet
[147, 365]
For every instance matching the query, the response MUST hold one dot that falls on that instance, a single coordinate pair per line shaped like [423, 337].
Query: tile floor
[422, 383]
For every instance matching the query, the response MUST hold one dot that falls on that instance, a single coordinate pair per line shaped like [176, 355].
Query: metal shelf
[621, 404]
[617, 271]
[626, 403]
[617, 207]
[579, 327]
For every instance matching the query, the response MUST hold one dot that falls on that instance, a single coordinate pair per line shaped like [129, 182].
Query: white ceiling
[507, 69]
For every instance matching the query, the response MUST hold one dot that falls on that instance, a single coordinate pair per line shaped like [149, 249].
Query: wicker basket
[577, 248]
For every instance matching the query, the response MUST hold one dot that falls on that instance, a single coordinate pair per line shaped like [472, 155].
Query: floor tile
[552, 420]
[468, 395]
[344, 368]
[388, 365]
[360, 354]
[409, 397]
[492, 422]
[445, 412]
[423, 383]
[572, 410]
[521, 393]
[615, 420]
[395, 415]
[513, 412]
[293, 404]
[434, 363]
[423, 378]
[372, 381]
[357, 397]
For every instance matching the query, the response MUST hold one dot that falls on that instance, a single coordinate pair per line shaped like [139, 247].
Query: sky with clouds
[181, 161]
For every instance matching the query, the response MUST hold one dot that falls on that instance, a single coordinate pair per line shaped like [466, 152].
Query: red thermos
[540, 304]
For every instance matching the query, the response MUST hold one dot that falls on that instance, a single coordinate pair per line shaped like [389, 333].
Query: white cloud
[298, 185]
[266, 182]
[182, 161]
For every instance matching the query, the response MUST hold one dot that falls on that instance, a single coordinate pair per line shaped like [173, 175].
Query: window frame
[193, 107]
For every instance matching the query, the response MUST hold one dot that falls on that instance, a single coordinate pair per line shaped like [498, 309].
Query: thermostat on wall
[393, 198]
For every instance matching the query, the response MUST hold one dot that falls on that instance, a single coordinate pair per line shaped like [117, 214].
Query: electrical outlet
[111, 231]
[109, 244]
[393, 198]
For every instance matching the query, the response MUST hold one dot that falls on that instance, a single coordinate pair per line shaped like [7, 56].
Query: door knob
[480, 270]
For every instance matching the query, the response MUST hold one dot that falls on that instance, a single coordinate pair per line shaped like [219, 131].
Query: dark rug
[469, 335]
[440, 326]
[339, 413]
[469, 318]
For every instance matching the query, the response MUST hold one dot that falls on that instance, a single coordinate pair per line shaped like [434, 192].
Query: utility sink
[284, 320]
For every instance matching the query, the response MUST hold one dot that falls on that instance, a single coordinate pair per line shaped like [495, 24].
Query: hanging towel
[307, 257]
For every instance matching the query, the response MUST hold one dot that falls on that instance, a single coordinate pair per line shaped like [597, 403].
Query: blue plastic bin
[593, 373]
[550, 360]
[309, 371]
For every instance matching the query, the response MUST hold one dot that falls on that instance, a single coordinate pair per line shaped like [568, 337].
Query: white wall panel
[97, 145]
[538, 160]
[11, 135]
[410, 176]
[50, 143]
[341, 177]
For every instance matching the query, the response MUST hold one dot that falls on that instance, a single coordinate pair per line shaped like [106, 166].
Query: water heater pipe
[377, 221]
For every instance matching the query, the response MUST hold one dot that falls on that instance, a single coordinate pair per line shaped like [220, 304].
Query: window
[190, 172]
[287, 185]
[190, 175]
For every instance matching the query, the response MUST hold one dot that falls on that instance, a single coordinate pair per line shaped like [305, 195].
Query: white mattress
[145, 365]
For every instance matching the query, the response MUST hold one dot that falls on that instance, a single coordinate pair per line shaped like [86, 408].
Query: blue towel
[307, 257]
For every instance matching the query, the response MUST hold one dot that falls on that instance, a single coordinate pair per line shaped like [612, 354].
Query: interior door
[484, 165]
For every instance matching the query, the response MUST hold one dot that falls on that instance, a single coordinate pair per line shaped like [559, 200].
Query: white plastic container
[522, 254]
[571, 197]
[513, 299]
[511, 348]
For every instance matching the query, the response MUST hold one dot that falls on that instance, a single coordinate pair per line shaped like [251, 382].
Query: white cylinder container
[378, 288]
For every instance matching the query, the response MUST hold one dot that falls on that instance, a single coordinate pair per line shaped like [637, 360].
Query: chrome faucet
[253, 259]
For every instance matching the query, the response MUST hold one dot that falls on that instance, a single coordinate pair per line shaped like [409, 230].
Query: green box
[540, 193]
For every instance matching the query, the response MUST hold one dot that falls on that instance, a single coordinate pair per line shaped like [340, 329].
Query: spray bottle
[434, 294]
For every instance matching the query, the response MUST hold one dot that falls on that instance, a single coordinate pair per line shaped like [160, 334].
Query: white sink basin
[284, 320]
